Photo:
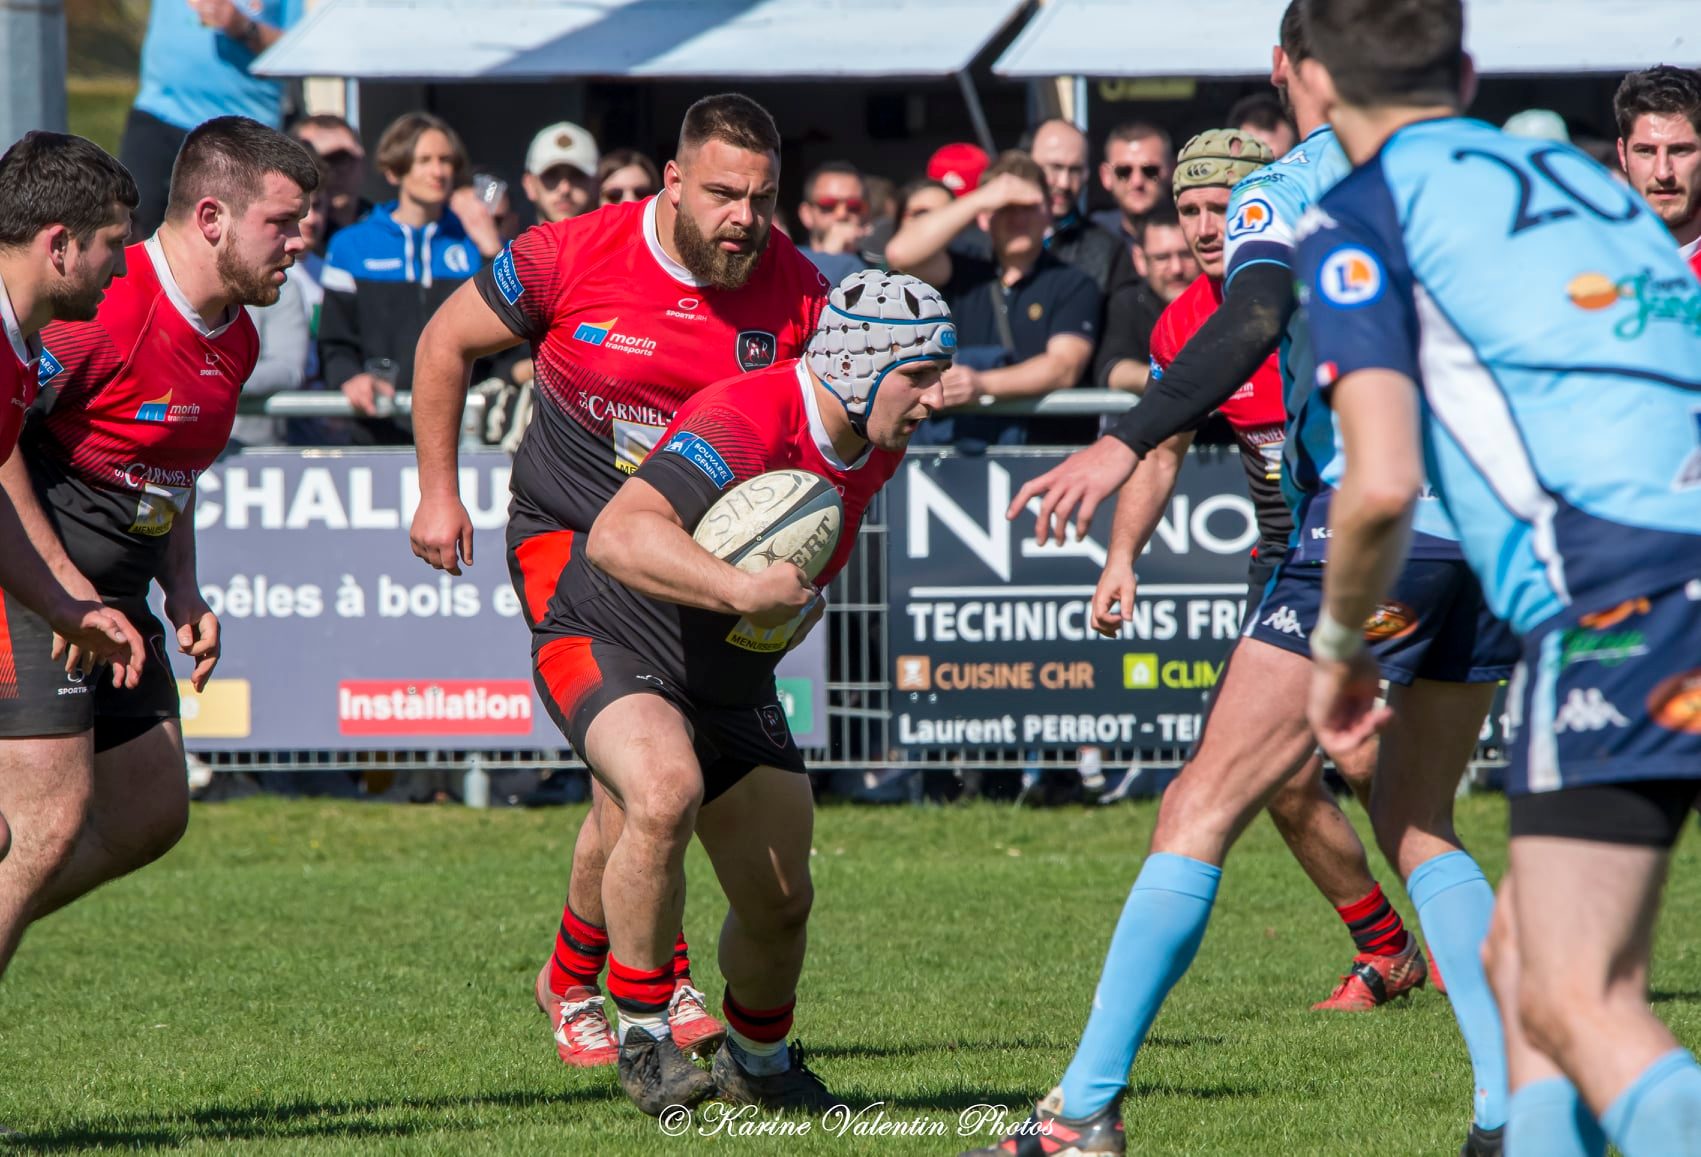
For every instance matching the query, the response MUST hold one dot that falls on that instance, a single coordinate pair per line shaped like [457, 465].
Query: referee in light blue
[1503, 314]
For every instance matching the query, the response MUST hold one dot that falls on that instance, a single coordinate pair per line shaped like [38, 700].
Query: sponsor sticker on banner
[222, 711]
[434, 707]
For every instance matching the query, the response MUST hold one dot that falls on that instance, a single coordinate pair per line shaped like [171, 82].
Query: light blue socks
[1659, 1115]
[1156, 938]
[1549, 1119]
[1454, 904]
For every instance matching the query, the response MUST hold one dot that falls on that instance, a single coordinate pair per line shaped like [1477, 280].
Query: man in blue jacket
[386, 275]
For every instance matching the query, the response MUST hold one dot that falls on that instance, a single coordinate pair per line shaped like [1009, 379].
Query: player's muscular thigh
[1255, 740]
[639, 748]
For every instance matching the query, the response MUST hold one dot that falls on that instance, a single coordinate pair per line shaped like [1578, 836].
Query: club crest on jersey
[756, 348]
[773, 721]
[1253, 217]
[1350, 277]
[48, 368]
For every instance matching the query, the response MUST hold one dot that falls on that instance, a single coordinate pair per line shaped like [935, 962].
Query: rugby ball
[784, 515]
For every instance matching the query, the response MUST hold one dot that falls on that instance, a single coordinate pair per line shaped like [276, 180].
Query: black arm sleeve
[1220, 358]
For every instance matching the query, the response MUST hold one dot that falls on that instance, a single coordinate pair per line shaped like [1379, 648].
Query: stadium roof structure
[1232, 38]
[825, 40]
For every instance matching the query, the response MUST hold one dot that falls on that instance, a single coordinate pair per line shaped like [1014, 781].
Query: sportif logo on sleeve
[507, 278]
[701, 455]
[1350, 277]
[1253, 216]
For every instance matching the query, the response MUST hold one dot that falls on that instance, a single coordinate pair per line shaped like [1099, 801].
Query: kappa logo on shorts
[1587, 710]
[773, 720]
[756, 348]
[1284, 620]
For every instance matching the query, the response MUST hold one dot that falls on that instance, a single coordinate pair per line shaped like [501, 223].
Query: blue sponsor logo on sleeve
[1350, 277]
[1252, 217]
[47, 369]
[701, 455]
[507, 280]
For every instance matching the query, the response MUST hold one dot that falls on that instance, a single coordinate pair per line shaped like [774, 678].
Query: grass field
[305, 976]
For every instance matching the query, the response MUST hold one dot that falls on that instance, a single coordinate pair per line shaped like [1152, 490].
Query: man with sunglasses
[560, 177]
[835, 215]
[1138, 163]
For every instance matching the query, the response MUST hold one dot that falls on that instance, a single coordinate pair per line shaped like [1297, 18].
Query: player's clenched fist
[776, 595]
[442, 532]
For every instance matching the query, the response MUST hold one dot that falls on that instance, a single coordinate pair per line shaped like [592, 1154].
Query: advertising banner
[336, 637]
[991, 639]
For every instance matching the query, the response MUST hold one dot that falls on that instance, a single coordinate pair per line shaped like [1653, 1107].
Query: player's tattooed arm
[196, 626]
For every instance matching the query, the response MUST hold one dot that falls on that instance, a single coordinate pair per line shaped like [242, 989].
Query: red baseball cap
[958, 166]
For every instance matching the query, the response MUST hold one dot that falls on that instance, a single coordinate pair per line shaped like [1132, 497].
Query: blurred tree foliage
[105, 36]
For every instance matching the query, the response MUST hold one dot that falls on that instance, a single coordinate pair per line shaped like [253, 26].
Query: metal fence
[860, 691]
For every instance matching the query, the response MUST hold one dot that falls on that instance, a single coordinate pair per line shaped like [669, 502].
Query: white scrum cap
[873, 323]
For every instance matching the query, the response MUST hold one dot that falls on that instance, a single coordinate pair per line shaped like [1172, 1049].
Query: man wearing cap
[560, 177]
[958, 166]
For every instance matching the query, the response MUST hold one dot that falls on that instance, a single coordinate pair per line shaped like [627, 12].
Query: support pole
[32, 68]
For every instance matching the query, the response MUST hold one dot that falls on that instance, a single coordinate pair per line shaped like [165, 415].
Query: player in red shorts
[630, 310]
[134, 405]
[1307, 816]
[657, 661]
[64, 214]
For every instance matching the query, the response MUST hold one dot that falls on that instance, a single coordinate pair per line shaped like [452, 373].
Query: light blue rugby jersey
[1556, 333]
[1265, 211]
